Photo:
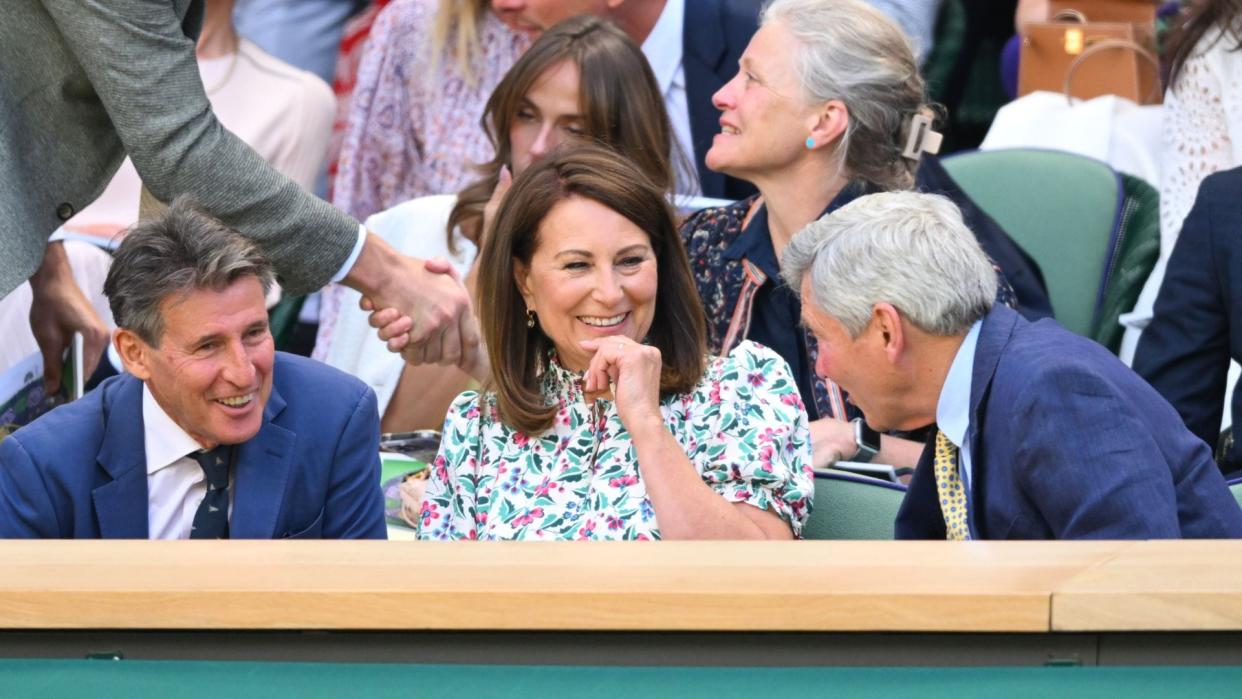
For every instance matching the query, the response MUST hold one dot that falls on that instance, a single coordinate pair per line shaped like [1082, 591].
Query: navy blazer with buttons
[312, 471]
[1197, 320]
[714, 36]
[1068, 443]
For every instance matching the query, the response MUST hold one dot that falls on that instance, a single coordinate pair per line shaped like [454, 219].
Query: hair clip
[923, 139]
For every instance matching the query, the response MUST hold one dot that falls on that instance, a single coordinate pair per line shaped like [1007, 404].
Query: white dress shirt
[663, 48]
[176, 483]
[953, 408]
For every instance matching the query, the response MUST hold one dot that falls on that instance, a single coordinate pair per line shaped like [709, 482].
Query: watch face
[868, 437]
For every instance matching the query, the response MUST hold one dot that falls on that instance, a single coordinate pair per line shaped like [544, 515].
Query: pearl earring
[530, 318]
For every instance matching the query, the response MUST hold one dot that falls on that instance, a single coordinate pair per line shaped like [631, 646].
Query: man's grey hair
[908, 249]
[850, 51]
[178, 251]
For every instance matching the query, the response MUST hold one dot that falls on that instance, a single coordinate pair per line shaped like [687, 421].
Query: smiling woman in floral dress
[605, 418]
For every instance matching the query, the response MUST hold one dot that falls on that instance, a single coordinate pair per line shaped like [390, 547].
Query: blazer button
[65, 211]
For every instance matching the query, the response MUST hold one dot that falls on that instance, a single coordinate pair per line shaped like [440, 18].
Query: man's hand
[435, 324]
[58, 310]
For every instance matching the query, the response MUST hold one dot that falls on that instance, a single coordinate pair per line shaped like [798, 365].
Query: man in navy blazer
[1040, 433]
[714, 33]
[1184, 353]
[294, 443]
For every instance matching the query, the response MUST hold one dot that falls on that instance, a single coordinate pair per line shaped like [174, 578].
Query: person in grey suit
[87, 82]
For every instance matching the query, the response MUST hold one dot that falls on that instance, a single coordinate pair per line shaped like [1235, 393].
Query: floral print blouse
[743, 427]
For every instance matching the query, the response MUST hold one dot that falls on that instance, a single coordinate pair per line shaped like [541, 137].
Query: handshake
[420, 308]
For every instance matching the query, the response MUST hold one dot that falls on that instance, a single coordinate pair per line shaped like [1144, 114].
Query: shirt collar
[953, 409]
[663, 46]
[164, 439]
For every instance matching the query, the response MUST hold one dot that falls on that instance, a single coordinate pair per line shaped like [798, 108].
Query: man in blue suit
[211, 434]
[1040, 433]
[1184, 353]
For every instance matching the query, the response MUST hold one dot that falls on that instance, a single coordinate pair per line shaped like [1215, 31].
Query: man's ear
[887, 322]
[828, 123]
[135, 353]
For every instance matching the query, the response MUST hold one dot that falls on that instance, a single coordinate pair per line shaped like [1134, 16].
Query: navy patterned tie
[211, 521]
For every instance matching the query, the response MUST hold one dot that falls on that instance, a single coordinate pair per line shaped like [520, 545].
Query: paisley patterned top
[743, 427]
[711, 237]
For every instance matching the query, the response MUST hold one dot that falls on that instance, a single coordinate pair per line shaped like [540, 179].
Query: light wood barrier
[687, 603]
[1156, 586]
[722, 586]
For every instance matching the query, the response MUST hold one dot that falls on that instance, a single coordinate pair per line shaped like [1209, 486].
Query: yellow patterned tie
[949, 487]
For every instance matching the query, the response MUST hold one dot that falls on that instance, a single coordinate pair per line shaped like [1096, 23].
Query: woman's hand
[633, 372]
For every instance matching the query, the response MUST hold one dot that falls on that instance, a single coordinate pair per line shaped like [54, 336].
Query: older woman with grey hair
[828, 105]
[1040, 433]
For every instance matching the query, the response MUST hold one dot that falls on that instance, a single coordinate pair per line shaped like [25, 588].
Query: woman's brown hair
[518, 353]
[618, 96]
[1194, 23]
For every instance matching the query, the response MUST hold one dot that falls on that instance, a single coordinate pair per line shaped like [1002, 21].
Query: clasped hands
[428, 317]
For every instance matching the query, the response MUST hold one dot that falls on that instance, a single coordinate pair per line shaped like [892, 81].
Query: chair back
[1134, 256]
[1063, 209]
[1235, 487]
[849, 506]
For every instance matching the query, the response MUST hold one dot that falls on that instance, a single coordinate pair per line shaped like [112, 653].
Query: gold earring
[530, 318]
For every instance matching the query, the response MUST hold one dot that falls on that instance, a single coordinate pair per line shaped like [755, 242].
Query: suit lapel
[121, 503]
[703, 49]
[994, 335]
[263, 466]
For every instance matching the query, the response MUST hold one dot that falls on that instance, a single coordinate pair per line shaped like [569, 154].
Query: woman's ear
[827, 124]
[521, 277]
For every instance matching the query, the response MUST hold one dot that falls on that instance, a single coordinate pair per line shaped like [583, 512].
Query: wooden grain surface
[1156, 586]
[700, 586]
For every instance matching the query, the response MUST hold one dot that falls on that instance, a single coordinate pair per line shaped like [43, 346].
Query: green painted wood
[136, 679]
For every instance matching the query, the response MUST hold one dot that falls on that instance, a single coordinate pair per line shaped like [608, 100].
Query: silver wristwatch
[867, 440]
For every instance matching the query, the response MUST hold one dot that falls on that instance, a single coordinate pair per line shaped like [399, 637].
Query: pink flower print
[543, 487]
[755, 379]
[587, 530]
[765, 456]
[472, 412]
[714, 396]
[521, 439]
[615, 522]
[430, 512]
[531, 516]
[623, 481]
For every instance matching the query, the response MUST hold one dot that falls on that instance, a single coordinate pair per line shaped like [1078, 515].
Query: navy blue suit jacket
[312, 471]
[715, 34]
[1068, 443]
[1197, 325]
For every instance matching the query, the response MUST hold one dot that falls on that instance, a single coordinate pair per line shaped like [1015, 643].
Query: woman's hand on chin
[632, 371]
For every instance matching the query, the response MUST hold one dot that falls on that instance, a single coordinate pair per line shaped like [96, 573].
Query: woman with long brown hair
[603, 417]
[582, 80]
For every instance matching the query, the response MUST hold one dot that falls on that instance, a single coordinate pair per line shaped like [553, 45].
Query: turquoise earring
[810, 143]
